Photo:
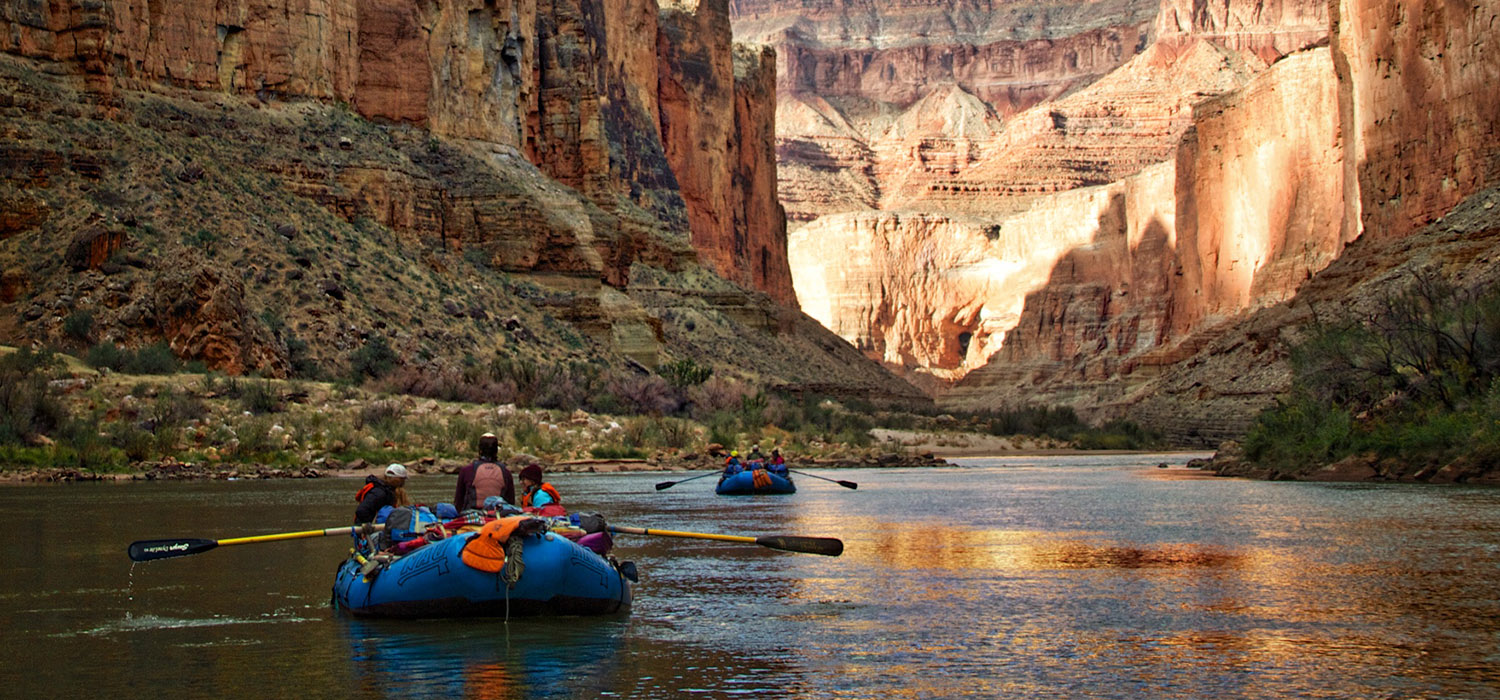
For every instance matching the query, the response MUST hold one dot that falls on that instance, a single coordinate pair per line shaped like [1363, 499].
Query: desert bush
[715, 395]
[260, 397]
[137, 444]
[609, 451]
[380, 417]
[79, 325]
[172, 409]
[156, 358]
[648, 395]
[105, 355]
[27, 408]
[685, 373]
[1411, 379]
[374, 359]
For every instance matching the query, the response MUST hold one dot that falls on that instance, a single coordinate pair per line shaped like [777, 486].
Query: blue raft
[556, 577]
[744, 483]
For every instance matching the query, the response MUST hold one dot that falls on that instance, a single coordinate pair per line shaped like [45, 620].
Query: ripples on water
[1038, 577]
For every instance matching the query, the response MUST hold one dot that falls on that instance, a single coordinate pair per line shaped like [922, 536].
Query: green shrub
[27, 408]
[79, 325]
[374, 359]
[105, 355]
[380, 417]
[1298, 432]
[156, 358]
[685, 373]
[259, 397]
[616, 452]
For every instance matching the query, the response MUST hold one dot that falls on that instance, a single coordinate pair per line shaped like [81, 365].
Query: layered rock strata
[1251, 208]
[946, 150]
[1415, 132]
[463, 180]
[566, 84]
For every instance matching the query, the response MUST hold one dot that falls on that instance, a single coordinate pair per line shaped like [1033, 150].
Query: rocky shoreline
[1230, 461]
[178, 471]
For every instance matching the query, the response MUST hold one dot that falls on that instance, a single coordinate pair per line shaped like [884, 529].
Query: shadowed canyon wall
[567, 85]
[560, 182]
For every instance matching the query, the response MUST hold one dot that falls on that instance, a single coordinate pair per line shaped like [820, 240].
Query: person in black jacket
[380, 492]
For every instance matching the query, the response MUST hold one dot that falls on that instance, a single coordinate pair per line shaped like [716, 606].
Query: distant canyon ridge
[1086, 203]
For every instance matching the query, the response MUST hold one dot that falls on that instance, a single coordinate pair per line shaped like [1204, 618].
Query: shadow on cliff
[1104, 302]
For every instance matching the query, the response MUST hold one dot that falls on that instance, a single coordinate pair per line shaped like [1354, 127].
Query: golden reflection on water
[950, 547]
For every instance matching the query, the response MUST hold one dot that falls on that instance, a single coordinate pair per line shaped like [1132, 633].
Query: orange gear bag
[486, 551]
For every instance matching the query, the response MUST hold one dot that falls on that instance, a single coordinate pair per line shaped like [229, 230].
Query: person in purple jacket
[484, 477]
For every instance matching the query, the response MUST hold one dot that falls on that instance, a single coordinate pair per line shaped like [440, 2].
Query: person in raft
[379, 492]
[537, 494]
[777, 465]
[732, 464]
[486, 476]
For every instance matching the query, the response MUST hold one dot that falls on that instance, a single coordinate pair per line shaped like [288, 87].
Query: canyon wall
[1381, 140]
[568, 85]
[1250, 208]
[518, 182]
[952, 157]
[1418, 87]
[717, 133]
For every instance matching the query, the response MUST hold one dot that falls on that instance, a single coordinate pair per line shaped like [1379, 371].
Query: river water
[1055, 577]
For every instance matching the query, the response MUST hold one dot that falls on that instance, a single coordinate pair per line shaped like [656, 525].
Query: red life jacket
[556, 498]
[489, 480]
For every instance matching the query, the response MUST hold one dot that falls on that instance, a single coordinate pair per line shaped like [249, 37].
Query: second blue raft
[748, 483]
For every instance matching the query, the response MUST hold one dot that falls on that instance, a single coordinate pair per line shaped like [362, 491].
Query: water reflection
[1099, 577]
[483, 659]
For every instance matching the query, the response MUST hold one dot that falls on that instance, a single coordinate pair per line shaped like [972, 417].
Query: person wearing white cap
[379, 492]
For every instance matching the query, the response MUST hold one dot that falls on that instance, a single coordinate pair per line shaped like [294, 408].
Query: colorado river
[1099, 577]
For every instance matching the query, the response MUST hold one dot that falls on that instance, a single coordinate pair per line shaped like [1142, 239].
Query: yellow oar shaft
[294, 535]
[675, 533]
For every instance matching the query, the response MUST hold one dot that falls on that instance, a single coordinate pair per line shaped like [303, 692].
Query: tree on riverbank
[1407, 386]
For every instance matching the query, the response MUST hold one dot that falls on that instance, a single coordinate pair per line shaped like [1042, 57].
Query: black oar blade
[665, 485]
[147, 550]
[847, 484]
[827, 546]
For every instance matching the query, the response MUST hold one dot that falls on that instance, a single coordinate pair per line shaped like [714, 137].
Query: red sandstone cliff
[1372, 138]
[455, 176]
[961, 163]
[567, 84]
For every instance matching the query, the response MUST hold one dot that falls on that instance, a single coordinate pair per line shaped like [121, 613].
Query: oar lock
[372, 565]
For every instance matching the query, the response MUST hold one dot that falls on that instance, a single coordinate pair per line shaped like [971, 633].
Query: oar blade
[665, 485]
[148, 550]
[847, 484]
[827, 546]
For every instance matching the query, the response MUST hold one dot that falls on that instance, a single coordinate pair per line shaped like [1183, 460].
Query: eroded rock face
[1419, 102]
[954, 158]
[717, 121]
[200, 312]
[572, 86]
[1248, 211]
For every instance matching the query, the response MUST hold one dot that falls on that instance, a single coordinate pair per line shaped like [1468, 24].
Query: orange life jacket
[365, 491]
[486, 551]
[556, 497]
